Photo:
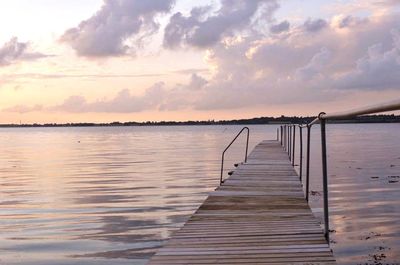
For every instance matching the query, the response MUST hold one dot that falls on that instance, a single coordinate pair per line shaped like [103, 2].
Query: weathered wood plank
[258, 216]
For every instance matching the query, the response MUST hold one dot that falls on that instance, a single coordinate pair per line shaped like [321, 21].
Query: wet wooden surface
[257, 216]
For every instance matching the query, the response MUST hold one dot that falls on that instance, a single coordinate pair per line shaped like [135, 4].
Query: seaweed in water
[393, 179]
[315, 193]
[371, 235]
[377, 258]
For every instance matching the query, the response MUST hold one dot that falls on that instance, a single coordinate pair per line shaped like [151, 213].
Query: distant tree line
[383, 118]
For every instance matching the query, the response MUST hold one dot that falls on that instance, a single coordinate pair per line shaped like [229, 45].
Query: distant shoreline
[253, 121]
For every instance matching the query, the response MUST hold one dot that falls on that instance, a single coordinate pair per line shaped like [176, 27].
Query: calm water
[114, 195]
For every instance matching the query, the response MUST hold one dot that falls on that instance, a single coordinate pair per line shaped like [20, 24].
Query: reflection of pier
[258, 215]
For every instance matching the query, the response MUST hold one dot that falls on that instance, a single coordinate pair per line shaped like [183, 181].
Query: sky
[134, 60]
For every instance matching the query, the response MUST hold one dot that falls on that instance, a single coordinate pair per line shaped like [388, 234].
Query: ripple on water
[115, 195]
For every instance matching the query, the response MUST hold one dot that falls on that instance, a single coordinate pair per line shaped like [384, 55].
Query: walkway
[257, 216]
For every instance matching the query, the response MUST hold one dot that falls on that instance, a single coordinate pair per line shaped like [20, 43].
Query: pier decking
[257, 216]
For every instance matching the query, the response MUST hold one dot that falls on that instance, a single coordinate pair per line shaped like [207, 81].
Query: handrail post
[308, 161]
[290, 142]
[325, 177]
[222, 169]
[294, 144]
[284, 137]
[322, 118]
[234, 139]
[247, 144]
[301, 152]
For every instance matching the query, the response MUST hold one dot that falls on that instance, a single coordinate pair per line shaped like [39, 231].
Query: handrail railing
[389, 106]
[229, 145]
[322, 118]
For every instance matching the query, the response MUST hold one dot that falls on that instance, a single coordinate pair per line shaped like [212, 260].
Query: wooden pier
[257, 216]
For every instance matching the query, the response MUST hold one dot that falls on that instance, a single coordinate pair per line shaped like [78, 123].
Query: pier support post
[325, 178]
[283, 136]
[290, 143]
[294, 144]
[308, 162]
[286, 137]
[301, 152]
[247, 144]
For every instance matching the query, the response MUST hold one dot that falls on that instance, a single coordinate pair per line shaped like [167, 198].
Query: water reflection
[102, 195]
[364, 202]
[114, 195]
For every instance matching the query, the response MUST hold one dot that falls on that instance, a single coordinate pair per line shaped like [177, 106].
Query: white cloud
[315, 66]
[14, 51]
[347, 21]
[306, 61]
[377, 70]
[123, 102]
[295, 68]
[315, 25]
[158, 96]
[196, 82]
[204, 28]
[280, 27]
[117, 28]
[23, 108]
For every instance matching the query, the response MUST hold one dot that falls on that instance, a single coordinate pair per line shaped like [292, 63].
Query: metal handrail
[389, 106]
[229, 145]
[288, 140]
[322, 118]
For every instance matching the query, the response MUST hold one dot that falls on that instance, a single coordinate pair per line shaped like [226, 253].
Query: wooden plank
[257, 216]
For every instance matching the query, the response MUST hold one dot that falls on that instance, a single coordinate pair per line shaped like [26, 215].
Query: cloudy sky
[122, 60]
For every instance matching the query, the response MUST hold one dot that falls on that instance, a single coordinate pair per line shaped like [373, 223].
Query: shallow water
[364, 183]
[113, 195]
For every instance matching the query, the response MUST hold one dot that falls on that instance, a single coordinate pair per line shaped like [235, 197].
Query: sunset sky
[136, 60]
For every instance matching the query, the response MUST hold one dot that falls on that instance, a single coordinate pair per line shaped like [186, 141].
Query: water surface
[113, 195]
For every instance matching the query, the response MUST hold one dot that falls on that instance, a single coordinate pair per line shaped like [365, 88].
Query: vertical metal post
[247, 144]
[277, 134]
[286, 137]
[301, 152]
[308, 161]
[281, 135]
[290, 142]
[325, 178]
[222, 169]
[294, 144]
[287, 140]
